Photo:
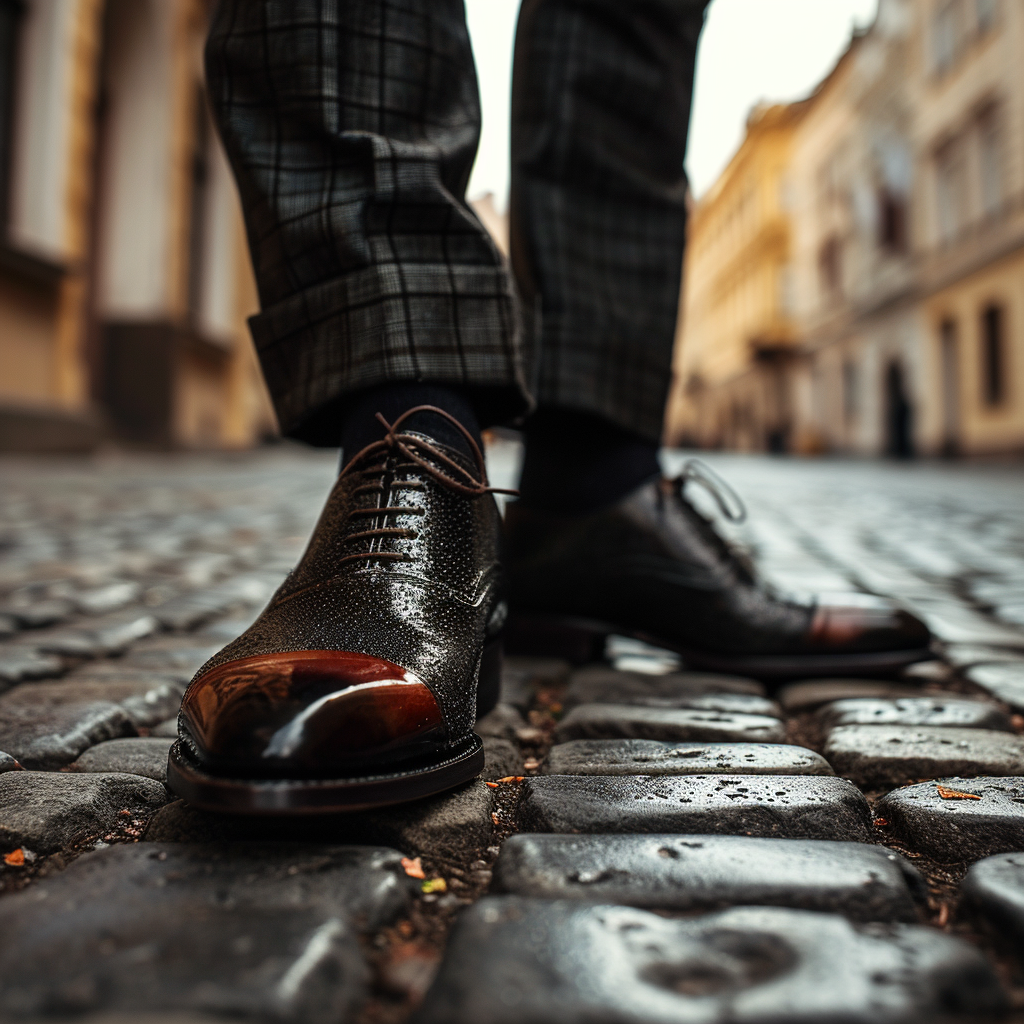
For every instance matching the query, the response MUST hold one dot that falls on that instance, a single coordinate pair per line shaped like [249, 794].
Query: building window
[851, 384]
[990, 150]
[892, 221]
[787, 305]
[993, 356]
[950, 358]
[985, 12]
[950, 182]
[830, 267]
[946, 24]
[10, 21]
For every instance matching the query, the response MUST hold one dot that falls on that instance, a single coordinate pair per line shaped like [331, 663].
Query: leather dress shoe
[652, 567]
[360, 682]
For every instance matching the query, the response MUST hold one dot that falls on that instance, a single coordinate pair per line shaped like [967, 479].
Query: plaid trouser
[352, 126]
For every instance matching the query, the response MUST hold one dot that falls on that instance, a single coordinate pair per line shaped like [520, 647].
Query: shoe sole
[320, 796]
[580, 641]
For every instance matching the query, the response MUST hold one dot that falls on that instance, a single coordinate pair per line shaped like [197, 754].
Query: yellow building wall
[27, 354]
[983, 429]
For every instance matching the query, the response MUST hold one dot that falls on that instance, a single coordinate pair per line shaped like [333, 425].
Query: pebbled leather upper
[652, 562]
[429, 611]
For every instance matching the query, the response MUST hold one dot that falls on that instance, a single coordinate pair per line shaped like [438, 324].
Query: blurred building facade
[124, 278]
[905, 217]
[740, 334]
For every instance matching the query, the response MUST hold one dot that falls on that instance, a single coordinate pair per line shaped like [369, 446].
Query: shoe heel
[578, 641]
[488, 687]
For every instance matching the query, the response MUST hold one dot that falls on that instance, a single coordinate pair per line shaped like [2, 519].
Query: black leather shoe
[652, 567]
[359, 684]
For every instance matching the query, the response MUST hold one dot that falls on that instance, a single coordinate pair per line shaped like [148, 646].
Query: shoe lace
[400, 449]
[723, 493]
[730, 504]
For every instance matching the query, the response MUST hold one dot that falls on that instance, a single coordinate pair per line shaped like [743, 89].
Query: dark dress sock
[361, 427]
[576, 462]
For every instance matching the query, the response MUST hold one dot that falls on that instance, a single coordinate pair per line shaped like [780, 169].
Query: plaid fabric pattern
[600, 112]
[352, 125]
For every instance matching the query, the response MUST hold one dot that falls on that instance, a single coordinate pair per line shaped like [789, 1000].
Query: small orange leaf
[495, 818]
[15, 858]
[512, 778]
[413, 867]
[881, 822]
[954, 794]
[491, 785]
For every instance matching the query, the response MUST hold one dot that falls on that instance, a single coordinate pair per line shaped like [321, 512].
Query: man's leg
[351, 128]
[601, 107]
[599, 544]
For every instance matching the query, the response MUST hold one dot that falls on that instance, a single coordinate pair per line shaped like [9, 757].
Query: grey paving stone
[785, 806]
[953, 829]
[18, 664]
[1005, 682]
[686, 873]
[180, 653]
[108, 598]
[966, 655]
[502, 758]
[262, 931]
[992, 894]
[627, 721]
[598, 684]
[799, 697]
[656, 757]
[604, 687]
[190, 610]
[167, 728]
[522, 677]
[40, 613]
[48, 811]
[511, 959]
[48, 724]
[929, 711]
[890, 755]
[503, 723]
[96, 639]
[450, 829]
[146, 756]
[8, 626]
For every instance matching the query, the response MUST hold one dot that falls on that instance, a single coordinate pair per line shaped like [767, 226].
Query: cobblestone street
[646, 844]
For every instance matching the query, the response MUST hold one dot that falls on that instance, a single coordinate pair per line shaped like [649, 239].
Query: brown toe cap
[309, 714]
[867, 624]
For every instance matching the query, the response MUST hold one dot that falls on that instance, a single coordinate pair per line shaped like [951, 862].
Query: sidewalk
[646, 844]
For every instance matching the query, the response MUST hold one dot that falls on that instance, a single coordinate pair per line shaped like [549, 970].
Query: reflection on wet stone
[622, 721]
[955, 820]
[49, 811]
[795, 807]
[243, 931]
[683, 873]
[930, 711]
[885, 755]
[654, 757]
[512, 959]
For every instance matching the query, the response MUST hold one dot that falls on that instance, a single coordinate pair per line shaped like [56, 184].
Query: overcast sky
[750, 50]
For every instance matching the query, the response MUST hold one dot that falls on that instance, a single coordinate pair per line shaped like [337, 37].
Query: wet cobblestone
[119, 577]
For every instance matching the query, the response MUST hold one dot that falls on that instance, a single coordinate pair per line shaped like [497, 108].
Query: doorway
[899, 414]
[950, 356]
